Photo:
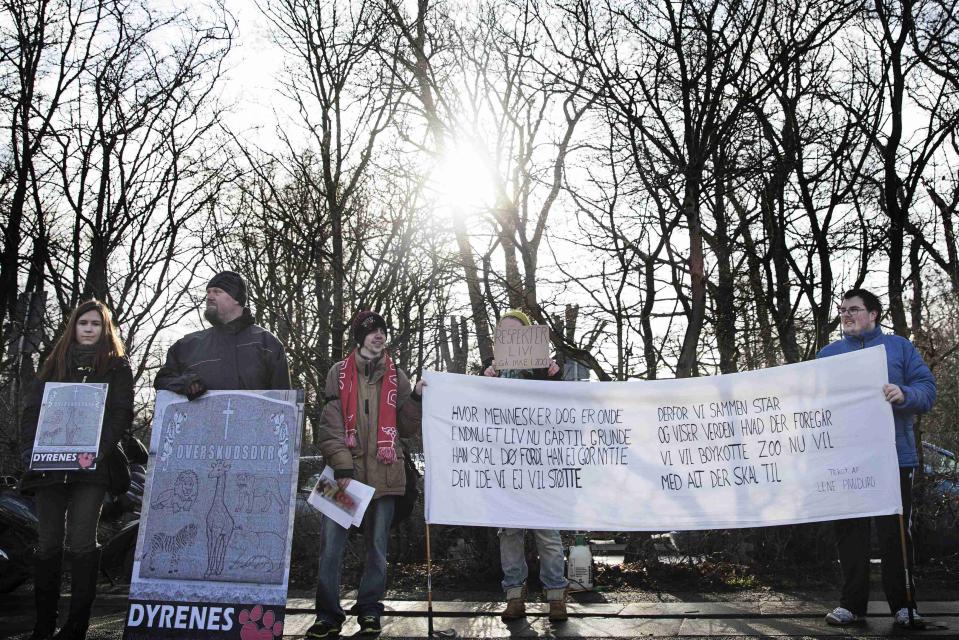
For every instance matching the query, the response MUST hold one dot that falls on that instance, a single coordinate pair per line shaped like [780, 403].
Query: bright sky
[254, 66]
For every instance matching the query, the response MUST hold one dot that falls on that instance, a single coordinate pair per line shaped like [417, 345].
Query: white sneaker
[840, 617]
[902, 619]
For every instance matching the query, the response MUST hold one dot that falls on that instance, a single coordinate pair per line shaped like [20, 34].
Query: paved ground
[408, 619]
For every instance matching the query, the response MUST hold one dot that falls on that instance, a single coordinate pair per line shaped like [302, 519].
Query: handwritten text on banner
[800, 443]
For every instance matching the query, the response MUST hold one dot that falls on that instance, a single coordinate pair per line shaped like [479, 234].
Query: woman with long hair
[68, 502]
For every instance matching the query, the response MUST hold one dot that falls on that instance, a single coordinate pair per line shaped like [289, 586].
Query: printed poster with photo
[213, 551]
[347, 506]
[68, 431]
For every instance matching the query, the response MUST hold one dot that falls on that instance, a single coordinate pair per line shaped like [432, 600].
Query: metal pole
[442, 633]
[910, 605]
[429, 585]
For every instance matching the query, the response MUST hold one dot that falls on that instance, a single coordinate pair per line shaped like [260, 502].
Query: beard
[212, 315]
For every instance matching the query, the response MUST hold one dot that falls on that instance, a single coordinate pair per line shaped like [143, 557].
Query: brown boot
[557, 611]
[515, 609]
[515, 603]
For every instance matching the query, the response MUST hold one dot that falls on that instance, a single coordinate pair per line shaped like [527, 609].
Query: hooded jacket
[909, 372]
[117, 419]
[235, 355]
[361, 462]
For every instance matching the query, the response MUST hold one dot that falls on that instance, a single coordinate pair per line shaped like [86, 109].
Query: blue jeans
[512, 552]
[376, 536]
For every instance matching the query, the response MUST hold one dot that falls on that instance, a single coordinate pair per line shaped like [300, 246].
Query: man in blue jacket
[911, 390]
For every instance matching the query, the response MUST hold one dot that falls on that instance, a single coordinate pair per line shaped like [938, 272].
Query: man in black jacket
[233, 354]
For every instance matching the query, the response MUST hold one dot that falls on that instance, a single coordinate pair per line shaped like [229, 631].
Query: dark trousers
[853, 540]
[72, 511]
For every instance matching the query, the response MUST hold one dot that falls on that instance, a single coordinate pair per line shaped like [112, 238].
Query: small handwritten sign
[521, 347]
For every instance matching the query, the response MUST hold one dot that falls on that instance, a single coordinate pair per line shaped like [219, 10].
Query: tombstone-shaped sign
[68, 431]
[213, 551]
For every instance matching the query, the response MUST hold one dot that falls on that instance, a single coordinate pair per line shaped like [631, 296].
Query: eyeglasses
[851, 311]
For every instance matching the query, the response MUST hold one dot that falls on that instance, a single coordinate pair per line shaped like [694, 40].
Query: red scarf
[350, 398]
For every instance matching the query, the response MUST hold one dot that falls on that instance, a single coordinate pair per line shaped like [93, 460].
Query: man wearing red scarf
[369, 405]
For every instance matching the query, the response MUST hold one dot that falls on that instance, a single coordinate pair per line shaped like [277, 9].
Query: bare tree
[416, 58]
[113, 157]
[619, 230]
[685, 88]
[345, 99]
[910, 79]
[809, 163]
[332, 221]
[44, 50]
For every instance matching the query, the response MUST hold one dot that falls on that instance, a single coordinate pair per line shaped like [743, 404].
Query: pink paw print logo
[259, 625]
[85, 460]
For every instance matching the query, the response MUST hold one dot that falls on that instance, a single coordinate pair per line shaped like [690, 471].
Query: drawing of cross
[227, 412]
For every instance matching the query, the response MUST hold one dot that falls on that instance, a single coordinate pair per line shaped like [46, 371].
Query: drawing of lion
[182, 495]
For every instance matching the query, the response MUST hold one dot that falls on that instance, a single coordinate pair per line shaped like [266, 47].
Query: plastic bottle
[579, 567]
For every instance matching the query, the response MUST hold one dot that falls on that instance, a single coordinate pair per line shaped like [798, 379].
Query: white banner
[800, 443]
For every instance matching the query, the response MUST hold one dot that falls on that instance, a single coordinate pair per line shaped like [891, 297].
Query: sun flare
[462, 179]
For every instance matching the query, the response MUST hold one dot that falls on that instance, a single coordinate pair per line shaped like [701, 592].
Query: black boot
[83, 589]
[46, 594]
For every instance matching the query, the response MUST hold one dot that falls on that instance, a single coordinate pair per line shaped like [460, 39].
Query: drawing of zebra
[172, 545]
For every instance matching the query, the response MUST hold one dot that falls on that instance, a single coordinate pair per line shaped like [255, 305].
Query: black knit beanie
[231, 282]
[365, 323]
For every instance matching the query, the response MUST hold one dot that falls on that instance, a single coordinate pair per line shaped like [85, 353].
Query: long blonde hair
[109, 346]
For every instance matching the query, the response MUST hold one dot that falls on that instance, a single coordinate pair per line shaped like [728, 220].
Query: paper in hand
[344, 506]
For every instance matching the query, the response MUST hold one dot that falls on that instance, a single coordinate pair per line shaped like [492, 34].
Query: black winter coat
[237, 355]
[117, 419]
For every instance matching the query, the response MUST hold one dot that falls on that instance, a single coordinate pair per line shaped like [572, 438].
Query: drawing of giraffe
[219, 522]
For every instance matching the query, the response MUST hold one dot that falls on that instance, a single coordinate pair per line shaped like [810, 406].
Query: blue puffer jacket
[906, 369]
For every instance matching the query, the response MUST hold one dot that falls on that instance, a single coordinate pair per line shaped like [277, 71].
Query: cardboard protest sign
[213, 551]
[344, 506]
[518, 347]
[800, 443]
[68, 431]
